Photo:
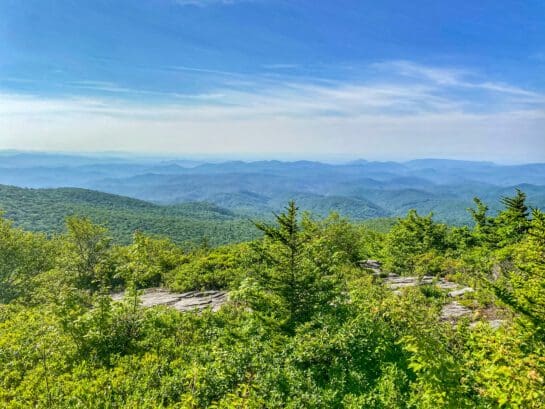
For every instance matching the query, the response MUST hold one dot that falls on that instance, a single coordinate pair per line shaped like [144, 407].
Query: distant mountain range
[358, 190]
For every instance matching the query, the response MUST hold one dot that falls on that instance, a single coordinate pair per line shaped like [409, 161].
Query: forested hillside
[186, 223]
[310, 321]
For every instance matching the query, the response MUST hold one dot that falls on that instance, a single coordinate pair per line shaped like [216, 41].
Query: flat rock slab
[454, 311]
[400, 282]
[461, 291]
[190, 301]
[447, 285]
[374, 265]
[395, 282]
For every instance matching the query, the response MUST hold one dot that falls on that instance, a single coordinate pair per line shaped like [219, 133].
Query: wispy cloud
[412, 108]
[443, 76]
[429, 90]
[459, 78]
[112, 88]
[203, 70]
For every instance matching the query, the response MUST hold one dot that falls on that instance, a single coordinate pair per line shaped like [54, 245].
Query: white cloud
[460, 78]
[443, 76]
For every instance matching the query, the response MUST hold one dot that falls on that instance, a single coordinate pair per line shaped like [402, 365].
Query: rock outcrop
[190, 301]
[452, 311]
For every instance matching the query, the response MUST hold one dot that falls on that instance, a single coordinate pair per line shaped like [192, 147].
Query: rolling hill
[46, 209]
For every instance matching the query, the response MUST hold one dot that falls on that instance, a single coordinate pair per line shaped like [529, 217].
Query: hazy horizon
[250, 157]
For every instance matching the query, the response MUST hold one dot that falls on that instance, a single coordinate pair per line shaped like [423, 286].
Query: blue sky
[380, 80]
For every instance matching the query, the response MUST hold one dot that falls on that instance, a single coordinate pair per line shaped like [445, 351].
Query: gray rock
[494, 324]
[447, 285]
[427, 280]
[158, 297]
[371, 264]
[190, 301]
[454, 311]
[401, 282]
[393, 281]
[462, 291]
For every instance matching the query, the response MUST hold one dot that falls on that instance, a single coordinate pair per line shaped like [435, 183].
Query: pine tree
[485, 228]
[517, 205]
[513, 222]
[288, 271]
[524, 288]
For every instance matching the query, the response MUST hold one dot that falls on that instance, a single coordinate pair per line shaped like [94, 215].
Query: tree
[341, 238]
[289, 270]
[484, 231]
[412, 239]
[510, 362]
[86, 254]
[23, 255]
[513, 222]
[147, 260]
[523, 288]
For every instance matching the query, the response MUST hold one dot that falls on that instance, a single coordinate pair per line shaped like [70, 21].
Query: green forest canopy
[305, 325]
[46, 210]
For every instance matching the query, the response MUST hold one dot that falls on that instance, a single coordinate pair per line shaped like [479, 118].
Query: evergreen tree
[484, 231]
[523, 288]
[289, 272]
[513, 222]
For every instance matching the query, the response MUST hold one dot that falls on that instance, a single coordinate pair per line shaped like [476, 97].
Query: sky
[378, 80]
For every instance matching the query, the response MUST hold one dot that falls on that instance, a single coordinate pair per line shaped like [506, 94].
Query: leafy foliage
[305, 326]
[413, 242]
